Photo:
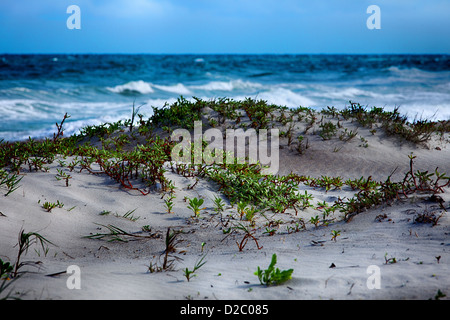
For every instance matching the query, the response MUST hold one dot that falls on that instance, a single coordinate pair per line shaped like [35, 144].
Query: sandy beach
[337, 259]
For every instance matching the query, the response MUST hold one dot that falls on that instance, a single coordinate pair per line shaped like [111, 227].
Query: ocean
[37, 90]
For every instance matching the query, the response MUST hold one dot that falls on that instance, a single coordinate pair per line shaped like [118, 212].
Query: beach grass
[139, 166]
[248, 207]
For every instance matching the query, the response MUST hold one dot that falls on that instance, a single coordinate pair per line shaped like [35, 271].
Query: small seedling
[302, 144]
[171, 244]
[169, 203]
[241, 208]
[364, 142]
[105, 212]
[270, 231]
[272, 275]
[129, 215]
[391, 260]
[63, 176]
[218, 204]
[169, 259]
[51, 205]
[248, 234]
[347, 135]
[250, 214]
[315, 220]
[194, 205]
[190, 273]
[335, 234]
[439, 295]
[5, 269]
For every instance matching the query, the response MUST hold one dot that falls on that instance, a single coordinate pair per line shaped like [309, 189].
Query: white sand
[119, 270]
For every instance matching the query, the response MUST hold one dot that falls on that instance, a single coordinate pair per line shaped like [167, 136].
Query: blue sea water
[36, 90]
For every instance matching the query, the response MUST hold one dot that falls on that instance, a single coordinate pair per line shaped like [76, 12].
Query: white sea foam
[332, 95]
[429, 111]
[285, 97]
[82, 114]
[22, 109]
[282, 97]
[227, 85]
[133, 86]
[178, 89]
[415, 75]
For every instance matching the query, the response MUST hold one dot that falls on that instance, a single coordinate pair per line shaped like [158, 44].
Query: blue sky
[225, 26]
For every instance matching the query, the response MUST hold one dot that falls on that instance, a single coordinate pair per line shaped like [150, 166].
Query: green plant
[5, 269]
[129, 215]
[329, 130]
[247, 234]
[298, 225]
[133, 114]
[213, 122]
[335, 234]
[190, 273]
[219, 204]
[105, 212]
[62, 175]
[11, 181]
[428, 217]
[241, 208]
[171, 242]
[26, 240]
[51, 205]
[169, 203]
[302, 144]
[347, 135]
[439, 295]
[250, 213]
[391, 260]
[272, 275]
[314, 220]
[304, 200]
[195, 205]
[364, 142]
[270, 231]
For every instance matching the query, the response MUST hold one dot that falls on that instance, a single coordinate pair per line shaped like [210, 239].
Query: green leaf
[272, 276]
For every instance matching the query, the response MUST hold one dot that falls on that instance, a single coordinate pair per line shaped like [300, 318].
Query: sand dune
[323, 268]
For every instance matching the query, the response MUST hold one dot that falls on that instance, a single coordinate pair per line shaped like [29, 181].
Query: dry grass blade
[117, 234]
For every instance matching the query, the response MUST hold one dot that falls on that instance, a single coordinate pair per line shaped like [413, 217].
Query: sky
[225, 26]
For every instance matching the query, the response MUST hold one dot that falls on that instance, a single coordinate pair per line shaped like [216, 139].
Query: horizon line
[211, 54]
